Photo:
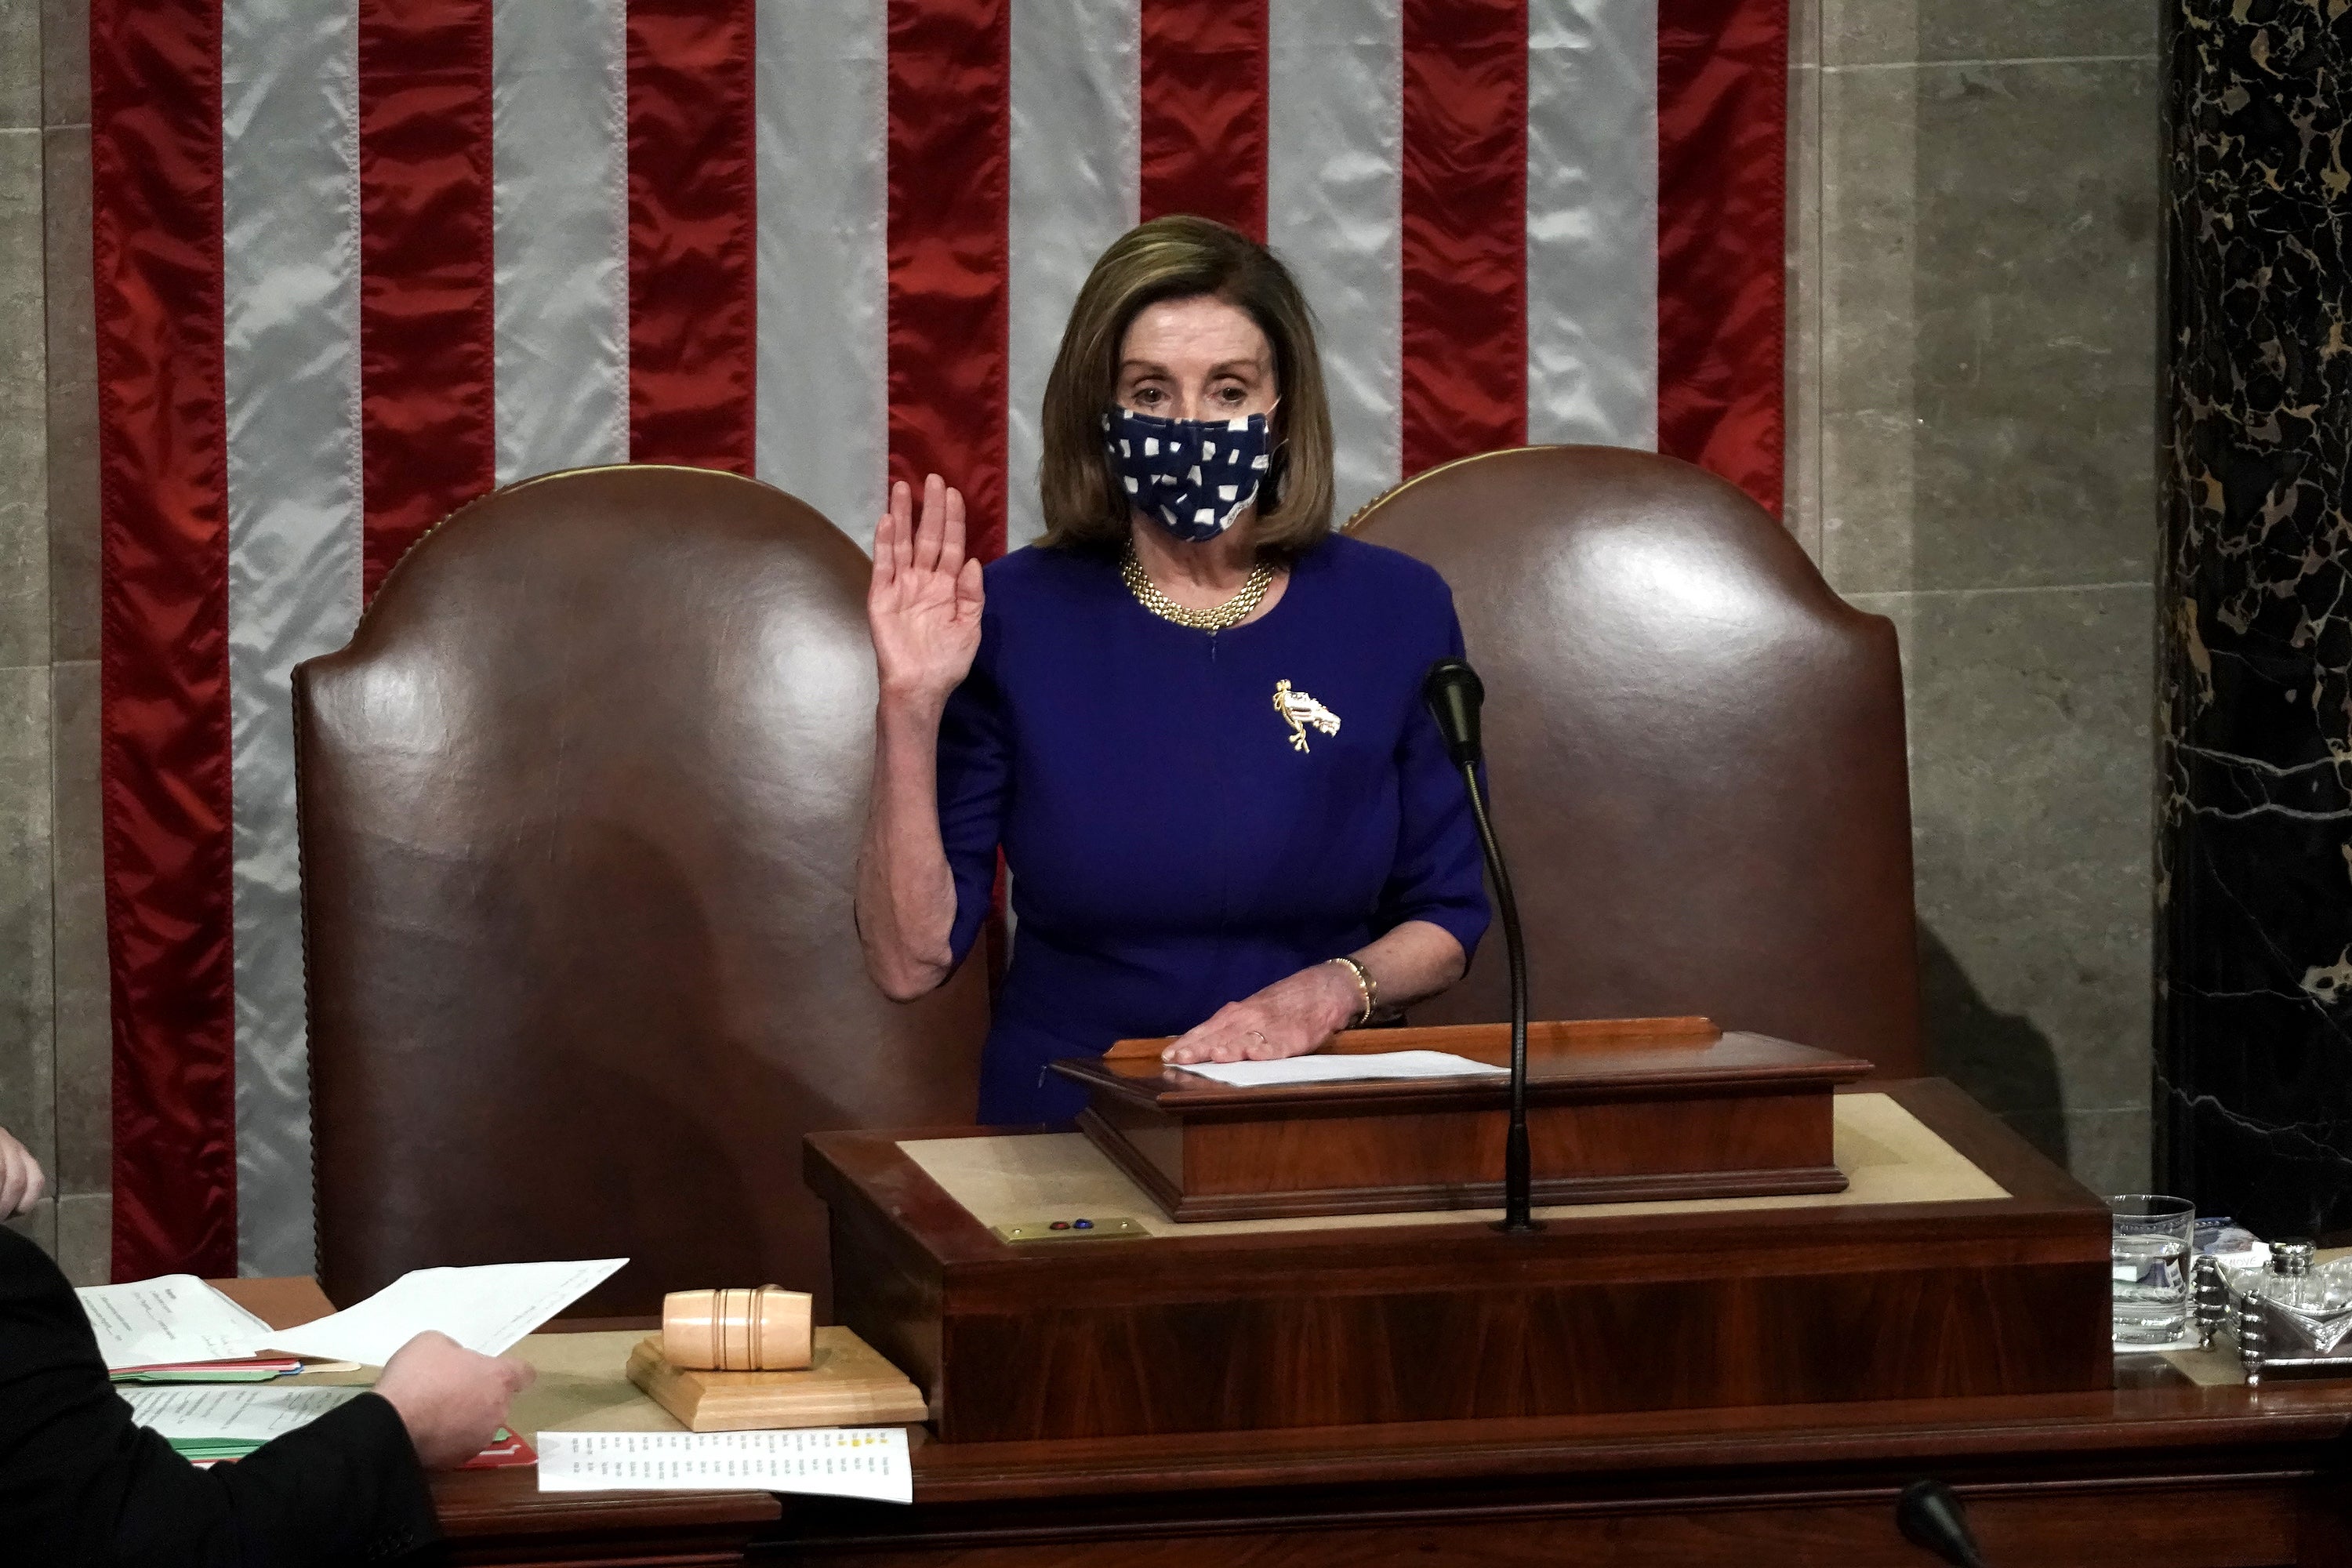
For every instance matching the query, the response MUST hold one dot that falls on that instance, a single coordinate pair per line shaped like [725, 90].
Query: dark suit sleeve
[80, 1483]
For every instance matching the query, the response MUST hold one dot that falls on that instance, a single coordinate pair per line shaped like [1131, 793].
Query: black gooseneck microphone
[1454, 692]
[1930, 1515]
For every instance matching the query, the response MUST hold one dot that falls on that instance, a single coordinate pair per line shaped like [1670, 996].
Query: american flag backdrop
[360, 260]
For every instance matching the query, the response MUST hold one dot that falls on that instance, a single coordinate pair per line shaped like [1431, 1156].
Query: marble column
[2254, 1011]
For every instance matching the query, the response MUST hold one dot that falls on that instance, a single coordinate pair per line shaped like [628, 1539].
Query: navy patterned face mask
[1191, 476]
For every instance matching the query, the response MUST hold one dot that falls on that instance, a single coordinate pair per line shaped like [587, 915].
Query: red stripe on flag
[693, 204]
[1203, 135]
[1723, 89]
[950, 151]
[427, 428]
[155, 152]
[1464, 246]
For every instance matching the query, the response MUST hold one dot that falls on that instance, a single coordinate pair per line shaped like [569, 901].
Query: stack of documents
[210, 1423]
[1320, 1068]
[210, 1356]
[177, 1328]
[220, 1426]
[182, 1328]
[252, 1369]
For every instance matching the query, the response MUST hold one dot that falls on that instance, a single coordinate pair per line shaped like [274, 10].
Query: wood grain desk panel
[502, 1517]
[2171, 1474]
[1273, 1326]
[2158, 1471]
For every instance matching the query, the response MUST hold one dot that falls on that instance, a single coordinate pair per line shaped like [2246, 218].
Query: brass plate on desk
[1088, 1229]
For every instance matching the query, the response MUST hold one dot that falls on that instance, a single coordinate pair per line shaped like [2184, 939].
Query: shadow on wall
[2000, 1060]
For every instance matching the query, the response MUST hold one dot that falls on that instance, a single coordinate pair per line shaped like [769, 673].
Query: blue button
[1085, 1225]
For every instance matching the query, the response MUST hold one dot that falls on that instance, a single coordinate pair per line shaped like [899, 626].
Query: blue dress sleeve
[1439, 875]
[974, 789]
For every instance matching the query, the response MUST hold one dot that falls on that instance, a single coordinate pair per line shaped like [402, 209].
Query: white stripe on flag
[289, 144]
[824, 415]
[559, 234]
[1077, 152]
[1334, 189]
[1593, 222]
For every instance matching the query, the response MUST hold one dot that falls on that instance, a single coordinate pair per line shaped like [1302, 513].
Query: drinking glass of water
[2150, 1257]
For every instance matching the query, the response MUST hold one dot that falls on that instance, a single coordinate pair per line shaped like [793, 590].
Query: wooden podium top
[1618, 1109]
[1893, 1159]
[2024, 1195]
[1567, 1061]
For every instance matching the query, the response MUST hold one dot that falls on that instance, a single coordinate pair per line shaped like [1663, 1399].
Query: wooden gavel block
[766, 1330]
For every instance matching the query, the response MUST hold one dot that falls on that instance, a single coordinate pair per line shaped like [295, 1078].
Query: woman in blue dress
[1189, 716]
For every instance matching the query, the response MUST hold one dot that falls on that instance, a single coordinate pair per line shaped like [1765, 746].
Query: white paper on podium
[162, 1321]
[1340, 1068]
[485, 1307]
[231, 1412]
[836, 1461]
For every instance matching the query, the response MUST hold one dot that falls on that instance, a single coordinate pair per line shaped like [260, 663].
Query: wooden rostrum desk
[1956, 1262]
[2166, 1462]
[2160, 1472]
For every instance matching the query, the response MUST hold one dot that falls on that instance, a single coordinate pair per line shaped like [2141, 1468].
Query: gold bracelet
[1365, 984]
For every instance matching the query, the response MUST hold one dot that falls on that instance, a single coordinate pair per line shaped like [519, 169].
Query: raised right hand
[923, 605]
[451, 1399]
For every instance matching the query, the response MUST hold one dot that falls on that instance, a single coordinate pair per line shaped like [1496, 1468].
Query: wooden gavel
[763, 1329]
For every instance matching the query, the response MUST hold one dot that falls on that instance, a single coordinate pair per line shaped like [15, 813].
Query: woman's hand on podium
[923, 602]
[1288, 1018]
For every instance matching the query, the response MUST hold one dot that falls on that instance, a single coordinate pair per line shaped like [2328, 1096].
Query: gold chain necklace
[1231, 613]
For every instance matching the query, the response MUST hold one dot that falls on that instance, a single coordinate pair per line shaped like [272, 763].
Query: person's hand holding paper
[451, 1399]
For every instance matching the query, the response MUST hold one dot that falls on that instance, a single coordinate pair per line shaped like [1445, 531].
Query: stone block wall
[54, 1054]
[1972, 257]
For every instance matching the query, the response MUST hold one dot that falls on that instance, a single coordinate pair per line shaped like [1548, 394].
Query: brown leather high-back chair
[1694, 748]
[580, 809]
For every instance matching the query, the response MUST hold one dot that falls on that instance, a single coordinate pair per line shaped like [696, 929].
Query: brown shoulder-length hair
[1179, 257]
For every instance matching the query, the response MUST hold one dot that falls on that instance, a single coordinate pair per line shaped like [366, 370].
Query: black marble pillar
[2255, 617]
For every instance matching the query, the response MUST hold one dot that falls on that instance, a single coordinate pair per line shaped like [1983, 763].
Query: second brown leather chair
[1696, 748]
[580, 809]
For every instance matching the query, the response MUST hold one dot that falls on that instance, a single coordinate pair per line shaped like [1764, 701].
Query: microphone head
[1930, 1515]
[1454, 694]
